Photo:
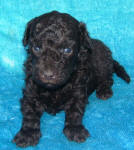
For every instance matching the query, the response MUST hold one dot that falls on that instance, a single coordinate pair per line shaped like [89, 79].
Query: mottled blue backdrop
[111, 123]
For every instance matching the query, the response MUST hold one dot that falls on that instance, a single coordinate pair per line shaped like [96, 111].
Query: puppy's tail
[120, 71]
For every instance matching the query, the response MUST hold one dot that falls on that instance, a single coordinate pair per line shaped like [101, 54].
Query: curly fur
[56, 80]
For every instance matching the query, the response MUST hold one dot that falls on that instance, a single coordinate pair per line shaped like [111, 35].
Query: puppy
[63, 67]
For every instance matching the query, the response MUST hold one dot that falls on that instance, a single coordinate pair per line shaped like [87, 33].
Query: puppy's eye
[67, 50]
[36, 48]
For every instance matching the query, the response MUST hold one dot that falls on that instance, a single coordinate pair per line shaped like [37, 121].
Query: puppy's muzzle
[48, 75]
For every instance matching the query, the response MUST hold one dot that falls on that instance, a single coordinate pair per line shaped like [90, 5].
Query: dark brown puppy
[64, 66]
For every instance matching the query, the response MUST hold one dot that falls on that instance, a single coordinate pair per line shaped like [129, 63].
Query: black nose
[48, 74]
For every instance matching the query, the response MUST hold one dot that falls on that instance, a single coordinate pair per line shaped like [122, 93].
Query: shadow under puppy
[64, 66]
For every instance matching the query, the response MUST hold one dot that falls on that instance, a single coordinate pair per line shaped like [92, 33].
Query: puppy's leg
[104, 90]
[29, 133]
[102, 61]
[74, 130]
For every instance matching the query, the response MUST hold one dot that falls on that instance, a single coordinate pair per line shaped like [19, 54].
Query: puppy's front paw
[27, 138]
[76, 133]
[104, 93]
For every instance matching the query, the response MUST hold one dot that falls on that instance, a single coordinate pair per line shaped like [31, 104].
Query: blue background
[111, 122]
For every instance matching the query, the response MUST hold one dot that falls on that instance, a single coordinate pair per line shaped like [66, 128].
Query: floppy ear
[85, 40]
[27, 32]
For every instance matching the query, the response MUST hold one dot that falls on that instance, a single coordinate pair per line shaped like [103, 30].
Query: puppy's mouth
[49, 82]
[49, 85]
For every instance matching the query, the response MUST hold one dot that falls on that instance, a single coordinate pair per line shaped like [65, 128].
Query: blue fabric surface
[111, 123]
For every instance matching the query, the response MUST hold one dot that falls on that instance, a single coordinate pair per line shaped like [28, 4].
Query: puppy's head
[54, 41]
